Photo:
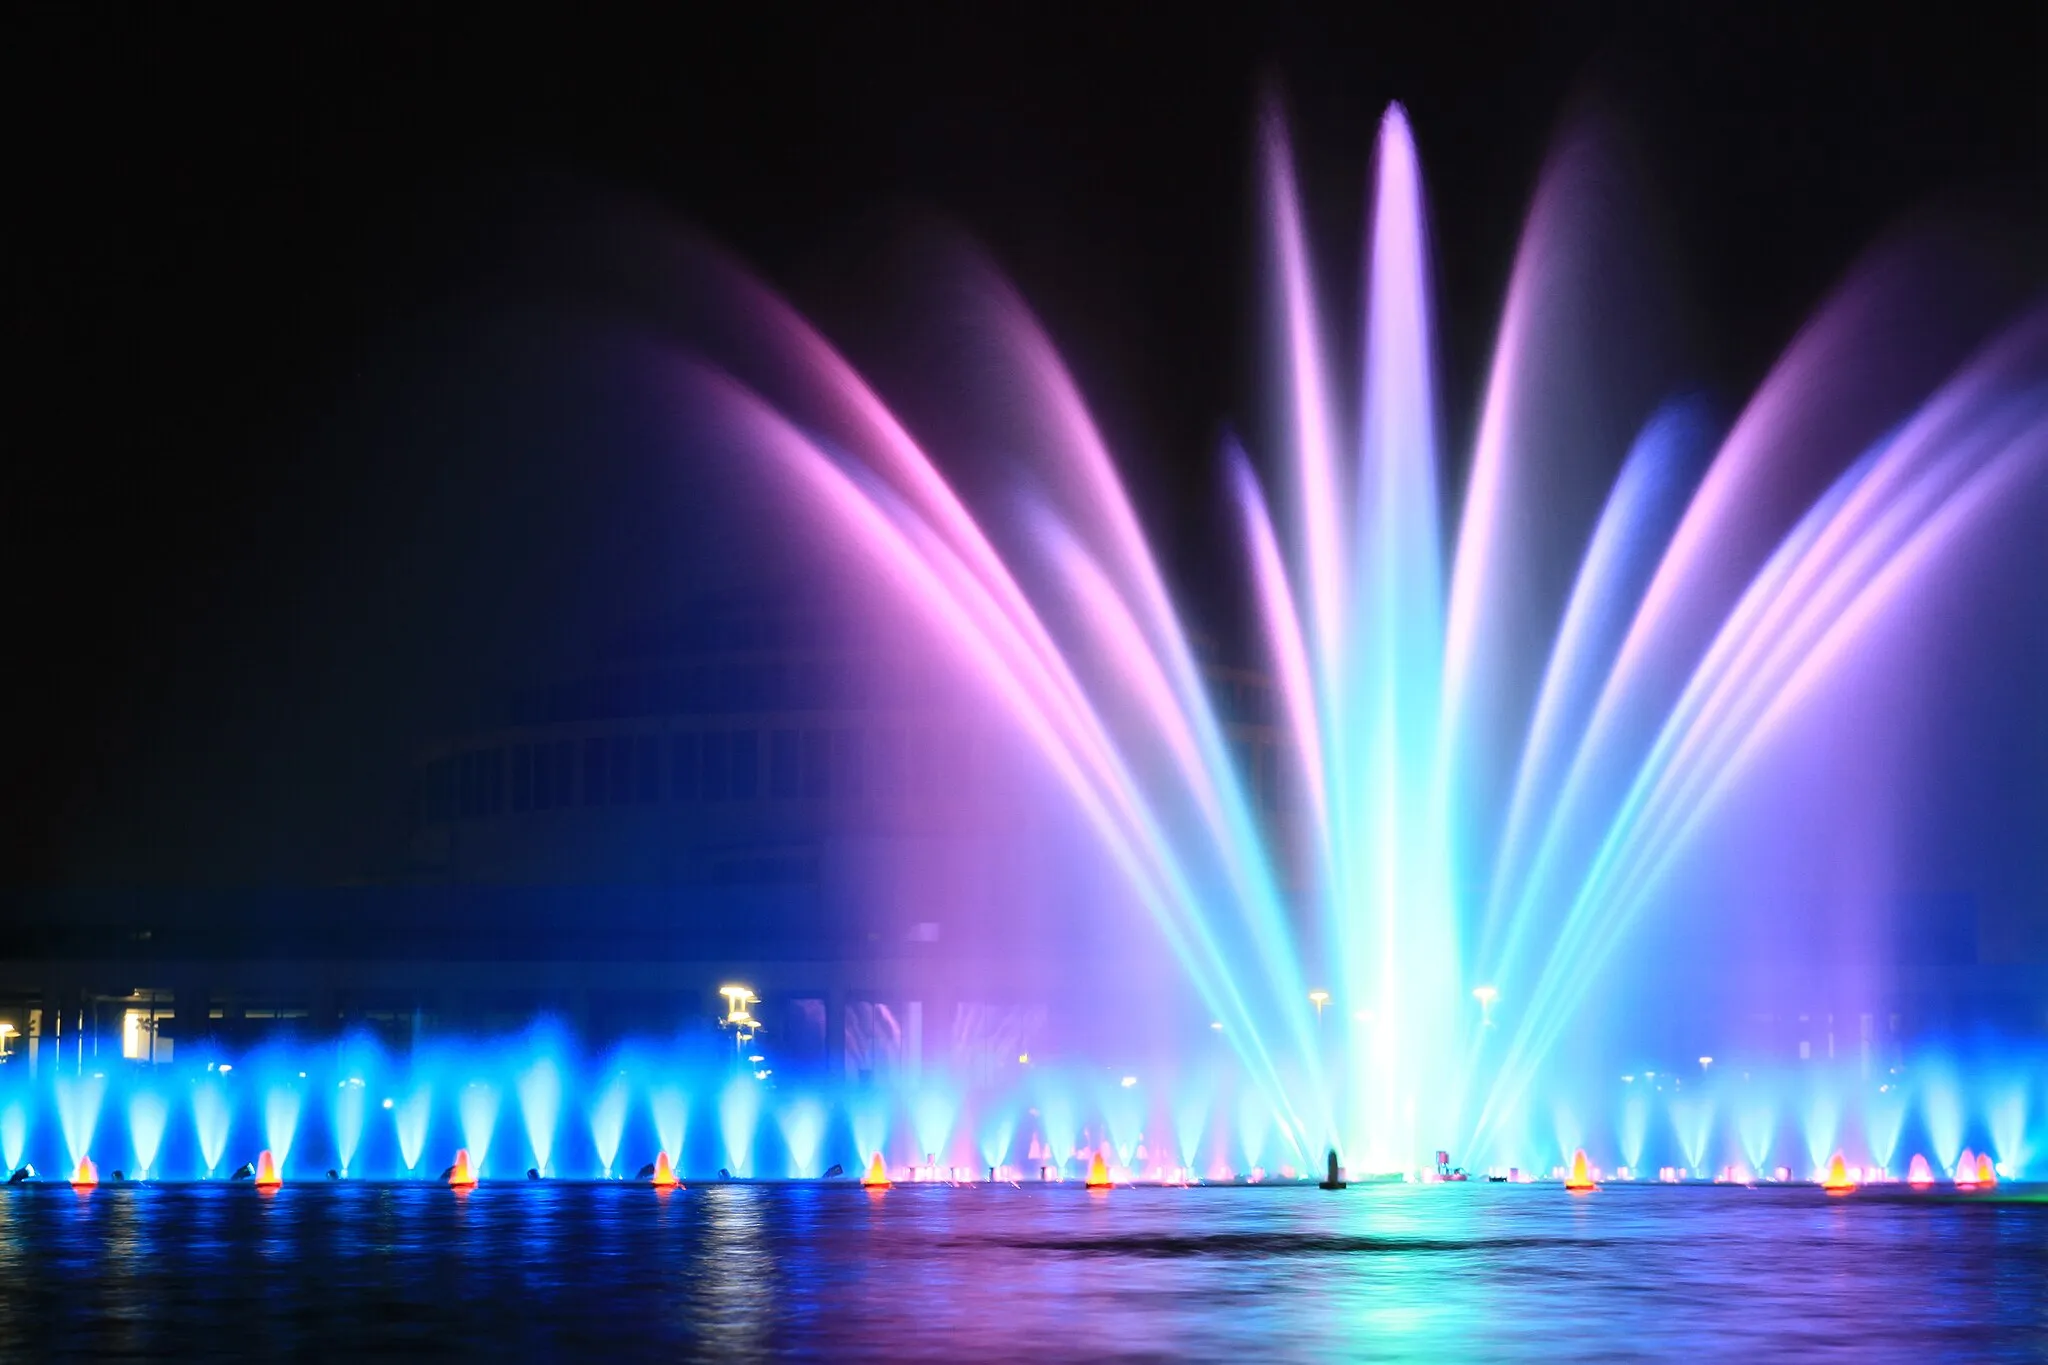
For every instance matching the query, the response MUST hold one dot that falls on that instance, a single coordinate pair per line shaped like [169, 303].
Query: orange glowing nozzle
[664, 1174]
[460, 1175]
[877, 1177]
[1579, 1180]
[1098, 1172]
[87, 1175]
[1837, 1180]
[267, 1177]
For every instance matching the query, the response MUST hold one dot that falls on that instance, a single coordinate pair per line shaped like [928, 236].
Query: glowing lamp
[1919, 1174]
[1098, 1172]
[1579, 1180]
[664, 1174]
[877, 1177]
[86, 1176]
[267, 1177]
[460, 1176]
[1837, 1180]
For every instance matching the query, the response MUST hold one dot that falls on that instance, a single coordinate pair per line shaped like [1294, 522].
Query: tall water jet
[281, 1119]
[664, 1176]
[608, 1121]
[1579, 1179]
[211, 1116]
[409, 1118]
[351, 1106]
[267, 1176]
[877, 1176]
[540, 1102]
[461, 1174]
[478, 1111]
[1919, 1174]
[147, 1117]
[1837, 1179]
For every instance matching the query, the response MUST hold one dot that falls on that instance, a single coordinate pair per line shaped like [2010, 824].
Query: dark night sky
[218, 238]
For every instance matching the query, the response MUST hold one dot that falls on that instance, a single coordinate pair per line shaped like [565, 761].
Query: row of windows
[781, 686]
[735, 765]
[711, 689]
[714, 765]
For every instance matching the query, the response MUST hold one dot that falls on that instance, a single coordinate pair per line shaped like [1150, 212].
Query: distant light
[1706, 1062]
[387, 1104]
[1130, 1081]
[1628, 1080]
[1485, 995]
[226, 1067]
[1023, 1059]
[1320, 997]
[7, 1030]
[302, 1075]
[1216, 1024]
[763, 1074]
[757, 1057]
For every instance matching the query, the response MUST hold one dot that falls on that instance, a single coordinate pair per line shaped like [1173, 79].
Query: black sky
[218, 231]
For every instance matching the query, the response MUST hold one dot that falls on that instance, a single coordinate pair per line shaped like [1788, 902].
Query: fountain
[1919, 1174]
[1837, 1179]
[1500, 747]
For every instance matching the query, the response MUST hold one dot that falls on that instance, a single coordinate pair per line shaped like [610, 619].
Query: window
[436, 792]
[817, 767]
[848, 768]
[886, 755]
[782, 763]
[746, 764]
[717, 765]
[647, 769]
[469, 785]
[593, 771]
[522, 777]
[683, 767]
[618, 770]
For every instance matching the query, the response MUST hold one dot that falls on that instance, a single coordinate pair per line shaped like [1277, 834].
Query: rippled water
[582, 1271]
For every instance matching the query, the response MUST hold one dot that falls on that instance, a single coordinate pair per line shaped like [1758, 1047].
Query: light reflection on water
[570, 1271]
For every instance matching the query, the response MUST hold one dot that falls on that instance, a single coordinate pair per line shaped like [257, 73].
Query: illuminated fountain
[1506, 733]
[1508, 749]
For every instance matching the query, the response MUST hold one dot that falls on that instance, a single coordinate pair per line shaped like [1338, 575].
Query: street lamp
[738, 1018]
[1320, 999]
[1485, 995]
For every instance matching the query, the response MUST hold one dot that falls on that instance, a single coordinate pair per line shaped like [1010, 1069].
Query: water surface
[586, 1271]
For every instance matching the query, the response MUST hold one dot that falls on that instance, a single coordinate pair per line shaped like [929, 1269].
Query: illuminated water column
[1408, 974]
